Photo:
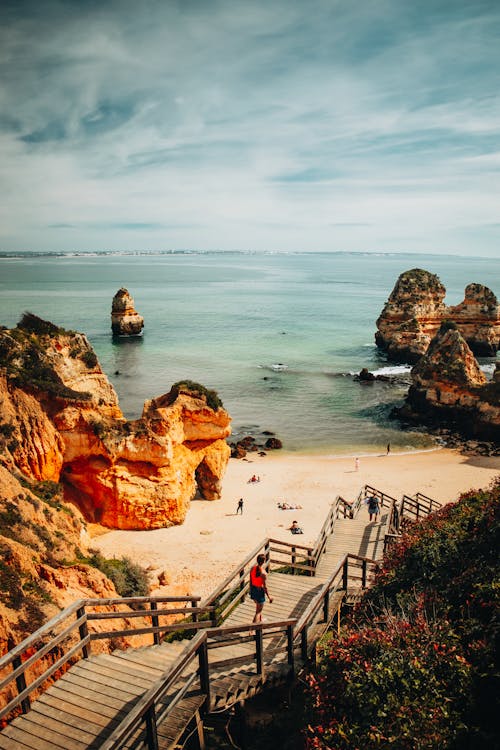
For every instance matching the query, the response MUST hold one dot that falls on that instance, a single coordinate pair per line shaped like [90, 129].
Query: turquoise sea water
[277, 335]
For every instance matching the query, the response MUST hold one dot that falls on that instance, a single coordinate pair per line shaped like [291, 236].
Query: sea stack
[125, 320]
[415, 310]
[448, 388]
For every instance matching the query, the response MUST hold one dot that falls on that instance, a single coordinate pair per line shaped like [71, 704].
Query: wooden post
[21, 684]
[242, 582]
[267, 553]
[363, 575]
[303, 645]
[326, 605]
[294, 559]
[151, 733]
[194, 604]
[289, 648]
[258, 650]
[345, 574]
[155, 622]
[204, 674]
[338, 619]
[84, 631]
[199, 730]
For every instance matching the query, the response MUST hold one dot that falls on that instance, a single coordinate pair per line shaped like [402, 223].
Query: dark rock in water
[273, 443]
[366, 375]
[125, 321]
[249, 443]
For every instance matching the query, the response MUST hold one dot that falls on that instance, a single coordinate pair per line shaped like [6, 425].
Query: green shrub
[10, 579]
[33, 324]
[128, 577]
[417, 666]
[198, 390]
[89, 358]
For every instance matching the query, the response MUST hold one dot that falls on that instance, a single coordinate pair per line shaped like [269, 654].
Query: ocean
[277, 335]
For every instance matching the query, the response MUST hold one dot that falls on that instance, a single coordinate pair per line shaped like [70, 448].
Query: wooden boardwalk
[90, 703]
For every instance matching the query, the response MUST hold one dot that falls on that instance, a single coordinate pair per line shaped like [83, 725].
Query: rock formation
[448, 388]
[125, 321]
[64, 424]
[415, 310]
[43, 564]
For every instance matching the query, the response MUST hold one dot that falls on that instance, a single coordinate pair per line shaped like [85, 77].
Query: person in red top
[258, 587]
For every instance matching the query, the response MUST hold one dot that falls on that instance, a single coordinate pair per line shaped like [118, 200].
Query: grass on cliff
[23, 354]
[129, 578]
[196, 389]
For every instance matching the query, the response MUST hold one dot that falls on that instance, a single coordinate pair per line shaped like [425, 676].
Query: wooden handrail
[218, 604]
[311, 610]
[135, 716]
[78, 627]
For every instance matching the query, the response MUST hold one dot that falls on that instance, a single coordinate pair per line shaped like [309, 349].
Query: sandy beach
[199, 554]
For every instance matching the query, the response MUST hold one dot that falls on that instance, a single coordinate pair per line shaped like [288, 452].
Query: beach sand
[199, 554]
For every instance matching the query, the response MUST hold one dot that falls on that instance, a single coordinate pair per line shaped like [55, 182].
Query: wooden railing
[369, 491]
[340, 508]
[67, 637]
[151, 710]
[49, 651]
[353, 572]
[409, 509]
[418, 506]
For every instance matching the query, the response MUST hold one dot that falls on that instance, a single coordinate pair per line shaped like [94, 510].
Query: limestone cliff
[448, 388]
[43, 563]
[125, 320]
[64, 424]
[415, 310]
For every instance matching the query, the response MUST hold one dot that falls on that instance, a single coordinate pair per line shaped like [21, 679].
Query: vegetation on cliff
[198, 391]
[40, 543]
[23, 354]
[416, 666]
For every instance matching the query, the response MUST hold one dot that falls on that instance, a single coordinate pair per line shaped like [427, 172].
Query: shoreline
[194, 557]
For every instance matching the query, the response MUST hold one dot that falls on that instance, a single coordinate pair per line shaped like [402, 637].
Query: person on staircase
[258, 587]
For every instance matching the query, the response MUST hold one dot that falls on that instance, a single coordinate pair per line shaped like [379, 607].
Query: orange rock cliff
[448, 388]
[64, 424]
[415, 310]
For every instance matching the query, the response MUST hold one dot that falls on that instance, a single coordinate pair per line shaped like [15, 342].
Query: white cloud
[319, 126]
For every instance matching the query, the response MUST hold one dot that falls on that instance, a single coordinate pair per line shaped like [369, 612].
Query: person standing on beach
[258, 587]
[388, 448]
[356, 464]
[239, 509]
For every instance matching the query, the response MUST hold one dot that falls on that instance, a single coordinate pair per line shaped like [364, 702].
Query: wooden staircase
[147, 697]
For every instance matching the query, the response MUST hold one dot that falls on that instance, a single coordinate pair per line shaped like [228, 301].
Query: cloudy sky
[253, 125]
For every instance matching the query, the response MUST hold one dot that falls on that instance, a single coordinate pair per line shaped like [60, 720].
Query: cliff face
[63, 423]
[43, 544]
[415, 310]
[449, 388]
[125, 320]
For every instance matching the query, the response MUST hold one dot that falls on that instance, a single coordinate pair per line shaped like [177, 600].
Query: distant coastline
[188, 251]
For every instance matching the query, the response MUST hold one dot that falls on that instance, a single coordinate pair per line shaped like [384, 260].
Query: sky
[281, 125]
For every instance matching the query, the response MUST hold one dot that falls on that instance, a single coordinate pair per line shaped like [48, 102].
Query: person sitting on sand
[295, 528]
